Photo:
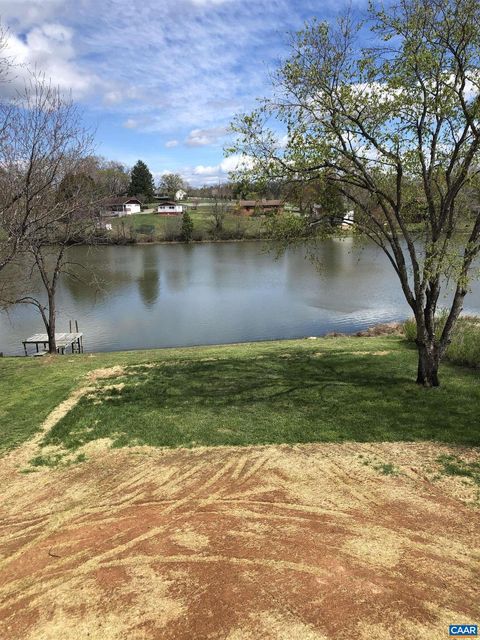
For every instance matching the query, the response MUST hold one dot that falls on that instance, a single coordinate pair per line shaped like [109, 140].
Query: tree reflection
[149, 281]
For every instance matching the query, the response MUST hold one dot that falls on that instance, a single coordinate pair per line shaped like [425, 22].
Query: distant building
[122, 206]
[251, 207]
[101, 225]
[180, 194]
[348, 218]
[345, 221]
[170, 208]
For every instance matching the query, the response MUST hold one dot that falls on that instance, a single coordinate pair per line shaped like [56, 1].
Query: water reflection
[167, 295]
[149, 280]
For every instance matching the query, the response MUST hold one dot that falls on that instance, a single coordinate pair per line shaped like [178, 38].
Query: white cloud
[206, 174]
[207, 3]
[232, 163]
[142, 122]
[119, 95]
[187, 64]
[201, 170]
[235, 162]
[48, 49]
[176, 69]
[29, 12]
[206, 137]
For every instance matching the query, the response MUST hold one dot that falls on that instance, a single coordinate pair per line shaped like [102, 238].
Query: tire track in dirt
[236, 543]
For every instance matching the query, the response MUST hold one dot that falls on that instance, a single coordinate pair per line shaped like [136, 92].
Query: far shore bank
[193, 242]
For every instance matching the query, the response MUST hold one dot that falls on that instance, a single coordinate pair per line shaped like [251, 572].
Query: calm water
[172, 295]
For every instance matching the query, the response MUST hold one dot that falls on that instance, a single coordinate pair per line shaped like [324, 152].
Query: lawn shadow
[298, 396]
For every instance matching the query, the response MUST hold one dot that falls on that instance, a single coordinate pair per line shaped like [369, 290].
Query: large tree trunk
[428, 362]
[52, 345]
[428, 350]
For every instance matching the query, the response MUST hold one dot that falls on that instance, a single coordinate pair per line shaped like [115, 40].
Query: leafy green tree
[316, 195]
[112, 178]
[186, 231]
[141, 182]
[396, 127]
[170, 183]
[77, 186]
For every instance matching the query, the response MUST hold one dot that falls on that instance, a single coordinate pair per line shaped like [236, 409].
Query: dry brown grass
[309, 542]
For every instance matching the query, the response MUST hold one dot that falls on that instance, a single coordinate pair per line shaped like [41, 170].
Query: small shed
[170, 208]
[251, 207]
[122, 206]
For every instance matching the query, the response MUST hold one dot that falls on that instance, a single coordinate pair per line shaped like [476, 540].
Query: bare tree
[397, 129]
[8, 245]
[7, 62]
[48, 200]
[111, 178]
[219, 212]
[42, 141]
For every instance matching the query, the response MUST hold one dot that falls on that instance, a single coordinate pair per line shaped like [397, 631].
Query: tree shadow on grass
[335, 397]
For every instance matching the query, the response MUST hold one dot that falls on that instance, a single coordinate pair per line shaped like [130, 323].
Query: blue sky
[160, 79]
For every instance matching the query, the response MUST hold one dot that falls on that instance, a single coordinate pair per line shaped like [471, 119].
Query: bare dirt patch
[385, 329]
[369, 353]
[108, 372]
[90, 388]
[305, 542]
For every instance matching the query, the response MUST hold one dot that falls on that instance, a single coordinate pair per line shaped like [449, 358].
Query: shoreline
[388, 329]
[144, 243]
[212, 241]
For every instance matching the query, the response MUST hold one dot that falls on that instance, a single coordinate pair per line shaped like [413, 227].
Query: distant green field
[154, 227]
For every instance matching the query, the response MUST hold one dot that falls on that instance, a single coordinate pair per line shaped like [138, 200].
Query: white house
[348, 219]
[170, 208]
[123, 206]
[180, 194]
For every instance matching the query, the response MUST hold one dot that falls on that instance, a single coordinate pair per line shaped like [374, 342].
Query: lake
[175, 295]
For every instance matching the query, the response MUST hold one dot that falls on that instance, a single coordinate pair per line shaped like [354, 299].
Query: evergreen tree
[141, 182]
[186, 231]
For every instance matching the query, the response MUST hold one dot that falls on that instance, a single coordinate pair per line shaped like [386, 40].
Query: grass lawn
[147, 226]
[324, 390]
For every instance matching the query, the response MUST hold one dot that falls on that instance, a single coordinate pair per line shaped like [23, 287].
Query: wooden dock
[63, 341]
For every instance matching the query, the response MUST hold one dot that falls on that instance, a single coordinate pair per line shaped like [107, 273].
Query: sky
[160, 80]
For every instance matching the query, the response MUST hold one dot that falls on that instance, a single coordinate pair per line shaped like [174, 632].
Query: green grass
[154, 227]
[31, 387]
[387, 469]
[46, 461]
[464, 348]
[453, 466]
[274, 392]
